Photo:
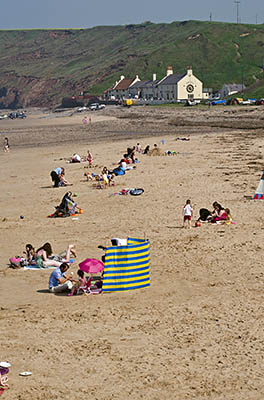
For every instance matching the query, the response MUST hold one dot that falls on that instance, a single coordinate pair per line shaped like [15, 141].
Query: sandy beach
[197, 331]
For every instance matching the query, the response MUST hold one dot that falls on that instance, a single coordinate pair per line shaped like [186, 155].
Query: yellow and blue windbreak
[127, 267]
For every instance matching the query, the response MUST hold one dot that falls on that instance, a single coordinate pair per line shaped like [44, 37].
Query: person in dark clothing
[146, 151]
[57, 176]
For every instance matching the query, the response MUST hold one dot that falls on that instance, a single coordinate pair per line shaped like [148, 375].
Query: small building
[228, 89]
[146, 90]
[135, 90]
[120, 89]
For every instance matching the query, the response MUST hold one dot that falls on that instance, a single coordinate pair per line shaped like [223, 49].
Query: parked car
[80, 109]
[218, 102]
[12, 115]
[96, 106]
[189, 103]
[21, 115]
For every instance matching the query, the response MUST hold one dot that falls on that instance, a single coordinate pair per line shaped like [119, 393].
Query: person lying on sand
[123, 164]
[45, 257]
[75, 158]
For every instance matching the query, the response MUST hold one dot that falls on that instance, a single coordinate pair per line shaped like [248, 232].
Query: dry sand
[197, 332]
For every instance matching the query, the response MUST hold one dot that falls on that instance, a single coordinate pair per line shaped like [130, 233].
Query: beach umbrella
[91, 266]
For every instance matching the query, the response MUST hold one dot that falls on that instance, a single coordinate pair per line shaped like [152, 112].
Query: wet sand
[196, 333]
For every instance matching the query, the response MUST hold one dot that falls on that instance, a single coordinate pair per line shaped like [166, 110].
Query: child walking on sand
[6, 145]
[187, 214]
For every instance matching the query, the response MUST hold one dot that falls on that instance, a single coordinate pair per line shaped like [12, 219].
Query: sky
[30, 14]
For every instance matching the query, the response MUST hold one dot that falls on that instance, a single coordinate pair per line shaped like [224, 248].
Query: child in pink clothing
[81, 283]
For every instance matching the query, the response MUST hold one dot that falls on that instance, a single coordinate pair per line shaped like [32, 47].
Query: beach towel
[127, 267]
[33, 267]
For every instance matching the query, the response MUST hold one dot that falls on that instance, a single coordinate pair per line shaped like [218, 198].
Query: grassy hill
[39, 67]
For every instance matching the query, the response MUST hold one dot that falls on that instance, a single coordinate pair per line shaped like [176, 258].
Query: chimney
[122, 77]
[154, 77]
[189, 70]
[169, 71]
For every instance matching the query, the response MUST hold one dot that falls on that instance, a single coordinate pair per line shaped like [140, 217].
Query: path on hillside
[237, 47]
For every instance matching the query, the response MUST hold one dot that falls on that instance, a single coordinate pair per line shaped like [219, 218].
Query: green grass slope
[39, 67]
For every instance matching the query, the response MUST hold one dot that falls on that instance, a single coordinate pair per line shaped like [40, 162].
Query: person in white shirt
[187, 214]
[76, 158]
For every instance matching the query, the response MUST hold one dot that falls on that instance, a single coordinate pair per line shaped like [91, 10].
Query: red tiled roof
[124, 84]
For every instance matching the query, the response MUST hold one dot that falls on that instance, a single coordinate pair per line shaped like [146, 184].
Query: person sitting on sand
[218, 213]
[127, 159]
[205, 215]
[30, 254]
[147, 148]
[138, 148]
[110, 176]
[131, 153]
[228, 216]
[58, 281]
[45, 257]
[81, 283]
[89, 176]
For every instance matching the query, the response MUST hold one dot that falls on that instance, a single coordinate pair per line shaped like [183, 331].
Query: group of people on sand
[106, 176]
[60, 282]
[219, 214]
[44, 257]
[126, 163]
[58, 174]
[76, 158]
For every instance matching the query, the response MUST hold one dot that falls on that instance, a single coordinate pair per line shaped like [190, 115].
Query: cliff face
[23, 91]
[40, 67]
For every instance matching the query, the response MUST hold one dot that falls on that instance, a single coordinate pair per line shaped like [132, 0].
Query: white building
[181, 86]
[120, 89]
